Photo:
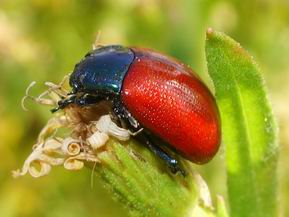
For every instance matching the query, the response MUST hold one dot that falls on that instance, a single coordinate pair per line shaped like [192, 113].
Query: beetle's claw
[54, 109]
[183, 172]
[175, 167]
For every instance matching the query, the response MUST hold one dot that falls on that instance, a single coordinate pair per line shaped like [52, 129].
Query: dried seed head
[73, 164]
[90, 128]
[71, 146]
[97, 139]
[106, 125]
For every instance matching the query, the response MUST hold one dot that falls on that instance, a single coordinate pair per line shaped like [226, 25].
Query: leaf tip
[215, 36]
[220, 39]
[210, 31]
[212, 34]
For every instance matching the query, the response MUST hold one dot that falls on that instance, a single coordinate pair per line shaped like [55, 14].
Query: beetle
[153, 92]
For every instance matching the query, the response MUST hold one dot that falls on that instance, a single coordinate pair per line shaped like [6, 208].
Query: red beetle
[153, 92]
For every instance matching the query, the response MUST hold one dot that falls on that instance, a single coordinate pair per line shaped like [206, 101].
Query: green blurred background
[41, 40]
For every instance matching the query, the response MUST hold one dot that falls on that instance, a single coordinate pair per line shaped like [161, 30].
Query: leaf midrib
[246, 131]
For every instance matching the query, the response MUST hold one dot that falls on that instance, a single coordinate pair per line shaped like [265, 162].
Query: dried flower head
[90, 128]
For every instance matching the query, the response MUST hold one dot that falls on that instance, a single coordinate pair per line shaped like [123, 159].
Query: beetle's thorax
[102, 70]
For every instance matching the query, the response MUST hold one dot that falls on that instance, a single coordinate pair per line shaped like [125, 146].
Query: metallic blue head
[102, 70]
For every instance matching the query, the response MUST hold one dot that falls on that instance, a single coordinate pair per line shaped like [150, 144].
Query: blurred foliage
[42, 40]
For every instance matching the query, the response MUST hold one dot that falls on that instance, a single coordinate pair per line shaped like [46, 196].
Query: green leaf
[248, 126]
[144, 185]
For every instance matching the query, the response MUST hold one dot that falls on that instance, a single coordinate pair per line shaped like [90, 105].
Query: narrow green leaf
[249, 129]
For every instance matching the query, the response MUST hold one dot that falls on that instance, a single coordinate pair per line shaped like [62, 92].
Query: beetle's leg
[142, 136]
[88, 100]
[172, 163]
[81, 101]
[124, 115]
[64, 103]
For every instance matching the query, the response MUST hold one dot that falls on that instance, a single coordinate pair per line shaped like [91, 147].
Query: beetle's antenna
[96, 43]
[64, 103]
[54, 110]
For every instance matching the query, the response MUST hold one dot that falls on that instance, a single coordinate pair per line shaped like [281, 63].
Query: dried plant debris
[88, 130]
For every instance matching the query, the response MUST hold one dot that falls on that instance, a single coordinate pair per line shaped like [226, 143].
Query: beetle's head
[75, 82]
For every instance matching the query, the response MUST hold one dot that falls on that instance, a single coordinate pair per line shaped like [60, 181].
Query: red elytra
[171, 101]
